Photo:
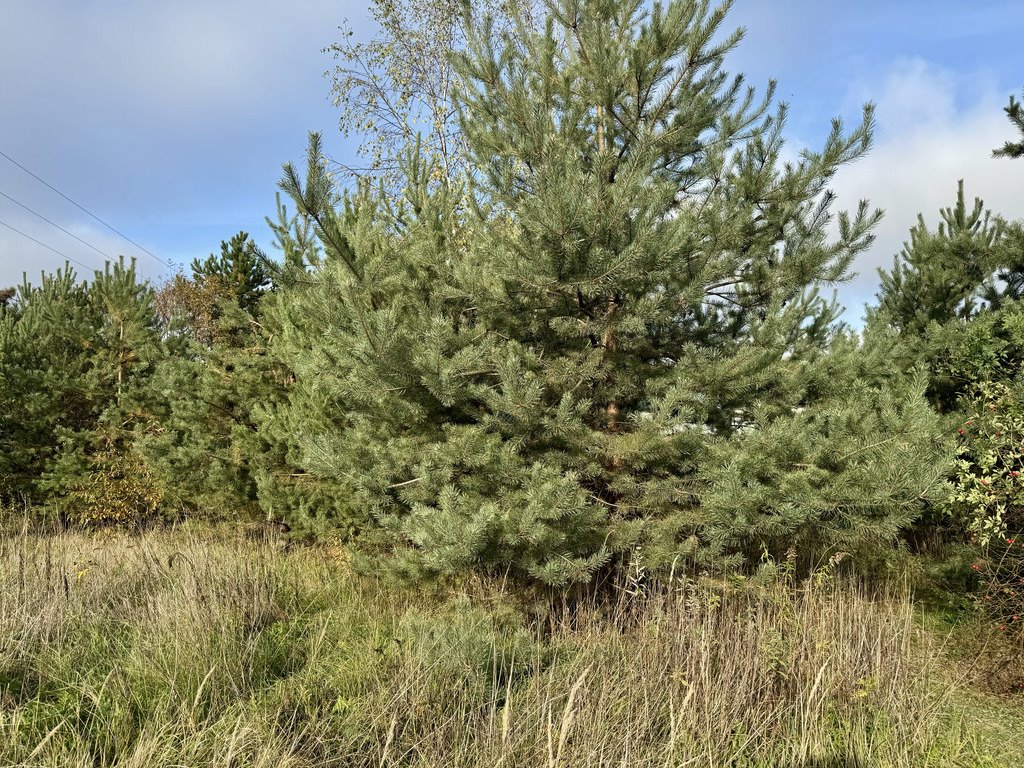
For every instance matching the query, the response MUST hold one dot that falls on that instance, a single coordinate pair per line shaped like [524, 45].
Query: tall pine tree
[562, 362]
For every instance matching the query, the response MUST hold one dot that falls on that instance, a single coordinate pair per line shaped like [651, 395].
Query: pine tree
[241, 271]
[942, 275]
[847, 475]
[97, 476]
[312, 505]
[954, 299]
[294, 238]
[945, 287]
[1012, 275]
[46, 334]
[74, 358]
[557, 365]
[206, 446]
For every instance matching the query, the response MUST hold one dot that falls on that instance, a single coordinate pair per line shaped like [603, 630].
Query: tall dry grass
[180, 650]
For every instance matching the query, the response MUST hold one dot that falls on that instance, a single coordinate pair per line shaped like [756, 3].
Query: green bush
[987, 487]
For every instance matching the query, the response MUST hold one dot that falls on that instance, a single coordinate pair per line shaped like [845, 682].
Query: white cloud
[934, 127]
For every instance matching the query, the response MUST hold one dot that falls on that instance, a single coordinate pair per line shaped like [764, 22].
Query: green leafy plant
[987, 487]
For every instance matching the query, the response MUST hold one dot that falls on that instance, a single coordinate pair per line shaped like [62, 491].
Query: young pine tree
[942, 275]
[96, 476]
[206, 447]
[954, 299]
[952, 296]
[560, 364]
[46, 338]
[241, 271]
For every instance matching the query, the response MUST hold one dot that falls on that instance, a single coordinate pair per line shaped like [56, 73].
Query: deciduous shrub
[1001, 573]
[987, 486]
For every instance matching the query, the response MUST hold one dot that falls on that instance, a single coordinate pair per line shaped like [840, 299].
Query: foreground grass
[172, 650]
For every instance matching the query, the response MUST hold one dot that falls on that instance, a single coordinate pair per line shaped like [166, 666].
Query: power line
[38, 242]
[104, 254]
[85, 210]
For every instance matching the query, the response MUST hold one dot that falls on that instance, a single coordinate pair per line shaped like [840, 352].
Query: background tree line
[583, 320]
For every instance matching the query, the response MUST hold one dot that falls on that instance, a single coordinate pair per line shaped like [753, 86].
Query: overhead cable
[85, 210]
[104, 254]
[39, 242]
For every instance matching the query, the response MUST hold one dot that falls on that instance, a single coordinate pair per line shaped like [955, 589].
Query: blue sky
[170, 120]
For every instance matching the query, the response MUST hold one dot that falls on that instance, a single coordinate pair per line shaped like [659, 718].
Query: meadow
[197, 648]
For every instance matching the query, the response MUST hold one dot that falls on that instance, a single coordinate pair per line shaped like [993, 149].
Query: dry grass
[174, 650]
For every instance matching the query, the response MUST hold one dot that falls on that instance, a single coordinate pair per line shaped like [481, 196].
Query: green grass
[170, 649]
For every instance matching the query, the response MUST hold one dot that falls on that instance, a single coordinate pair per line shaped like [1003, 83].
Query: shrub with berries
[987, 487]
